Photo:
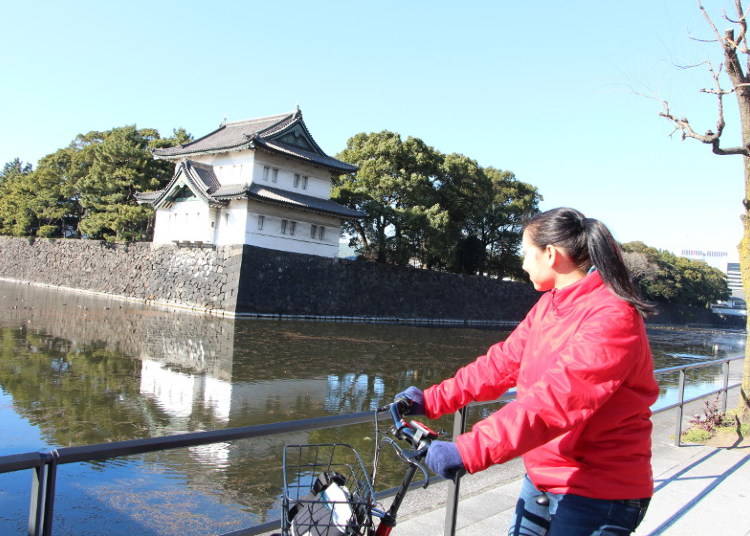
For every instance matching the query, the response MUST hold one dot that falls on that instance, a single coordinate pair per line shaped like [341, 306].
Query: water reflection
[83, 370]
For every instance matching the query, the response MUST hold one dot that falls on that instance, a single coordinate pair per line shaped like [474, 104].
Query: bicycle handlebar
[417, 435]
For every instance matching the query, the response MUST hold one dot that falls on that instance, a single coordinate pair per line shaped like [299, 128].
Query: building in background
[262, 182]
[717, 259]
[728, 264]
[734, 280]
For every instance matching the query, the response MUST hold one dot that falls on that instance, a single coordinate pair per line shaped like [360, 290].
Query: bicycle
[328, 491]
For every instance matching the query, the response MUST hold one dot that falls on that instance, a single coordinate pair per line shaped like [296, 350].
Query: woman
[583, 371]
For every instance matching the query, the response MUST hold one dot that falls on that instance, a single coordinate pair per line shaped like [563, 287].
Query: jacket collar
[562, 298]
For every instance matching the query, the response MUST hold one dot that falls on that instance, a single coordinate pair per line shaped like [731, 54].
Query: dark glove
[443, 459]
[415, 396]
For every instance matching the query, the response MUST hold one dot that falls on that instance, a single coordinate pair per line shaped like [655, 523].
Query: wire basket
[327, 491]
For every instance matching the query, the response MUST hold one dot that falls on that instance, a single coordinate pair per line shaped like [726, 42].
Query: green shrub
[45, 231]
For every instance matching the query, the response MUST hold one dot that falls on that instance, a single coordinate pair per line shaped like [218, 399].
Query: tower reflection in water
[79, 370]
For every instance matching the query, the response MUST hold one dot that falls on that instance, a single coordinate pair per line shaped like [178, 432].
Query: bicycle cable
[376, 454]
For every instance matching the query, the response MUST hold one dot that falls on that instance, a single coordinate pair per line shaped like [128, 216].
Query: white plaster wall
[231, 223]
[185, 220]
[161, 226]
[230, 168]
[271, 237]
[319, 178]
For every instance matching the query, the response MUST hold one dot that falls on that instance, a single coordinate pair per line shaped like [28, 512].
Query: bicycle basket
[327, 491]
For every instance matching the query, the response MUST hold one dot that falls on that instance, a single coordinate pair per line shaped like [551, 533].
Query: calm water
[78, 370]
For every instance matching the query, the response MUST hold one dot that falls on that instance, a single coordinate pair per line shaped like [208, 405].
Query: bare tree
[736, 65]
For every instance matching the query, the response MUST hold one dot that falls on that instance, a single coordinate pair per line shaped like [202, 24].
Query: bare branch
[717, 91]
[731, 150]
[729, 19]
[698, 39]
[728, 38]
[686, 67]
[683, 125]
[732, 47]
[742, 23]
[710, 22]
[710, 138]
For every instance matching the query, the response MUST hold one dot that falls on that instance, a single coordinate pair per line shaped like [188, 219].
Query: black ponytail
[589, 243]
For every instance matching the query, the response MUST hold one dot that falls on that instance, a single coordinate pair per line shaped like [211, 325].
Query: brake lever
[410, 457]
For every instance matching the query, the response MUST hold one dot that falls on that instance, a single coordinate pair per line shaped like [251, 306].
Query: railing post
[49, 499]
[680, 408]
[725, 367]
[451, 505]
[43, 496]
[36, 508]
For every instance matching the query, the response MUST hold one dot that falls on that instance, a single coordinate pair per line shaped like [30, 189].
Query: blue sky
[552, 91]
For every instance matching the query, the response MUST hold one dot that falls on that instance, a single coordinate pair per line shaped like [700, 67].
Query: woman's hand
[416, 400]
[444, 459]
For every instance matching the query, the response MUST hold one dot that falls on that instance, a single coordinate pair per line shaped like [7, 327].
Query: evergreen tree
[88, 188]
[434, 210]
[667, 278]
[16, 196]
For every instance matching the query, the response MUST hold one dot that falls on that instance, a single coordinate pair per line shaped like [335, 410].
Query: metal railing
[44, 464]
[681, 389]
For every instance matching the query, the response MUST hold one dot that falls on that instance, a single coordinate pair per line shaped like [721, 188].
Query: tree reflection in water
[86, 370]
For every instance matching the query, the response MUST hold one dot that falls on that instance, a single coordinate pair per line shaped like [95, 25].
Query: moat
[77, 370]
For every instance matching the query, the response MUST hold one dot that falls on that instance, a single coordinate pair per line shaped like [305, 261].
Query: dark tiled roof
[206, 174]
[323, 160]
[200, 176]
[230, 191]
[275, 195]
[228, 136]
[262, 132]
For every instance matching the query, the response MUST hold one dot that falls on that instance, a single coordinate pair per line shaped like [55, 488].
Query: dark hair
[589, 243]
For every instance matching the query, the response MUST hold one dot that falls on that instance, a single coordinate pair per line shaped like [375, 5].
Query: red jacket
[583, 372]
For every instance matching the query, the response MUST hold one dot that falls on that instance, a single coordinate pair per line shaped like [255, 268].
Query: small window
[274, 174]
[304, 182]
[313, 231]
[296, 180]
[266, 173]
[261, 219]
[321, 233]
[226, 217]
[288, 227]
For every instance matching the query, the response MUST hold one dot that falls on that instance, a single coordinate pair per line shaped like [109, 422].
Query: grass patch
[696, 435]
[718, 429]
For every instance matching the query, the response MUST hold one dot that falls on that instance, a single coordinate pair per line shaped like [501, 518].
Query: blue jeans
[552, 514]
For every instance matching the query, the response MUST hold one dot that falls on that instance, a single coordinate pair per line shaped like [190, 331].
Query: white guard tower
[262, 182]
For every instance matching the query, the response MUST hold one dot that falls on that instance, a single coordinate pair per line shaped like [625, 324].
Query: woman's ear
[551, 255]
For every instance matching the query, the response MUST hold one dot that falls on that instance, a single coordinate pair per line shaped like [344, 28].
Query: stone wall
[276, 282]
[204, 279]
[257, 281]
